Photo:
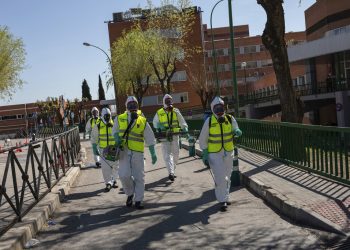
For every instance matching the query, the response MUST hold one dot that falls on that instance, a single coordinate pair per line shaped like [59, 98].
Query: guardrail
[30, 171]
[319, 149]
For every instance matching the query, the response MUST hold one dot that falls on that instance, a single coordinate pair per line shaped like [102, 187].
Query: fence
[319, 149]
[30, 171]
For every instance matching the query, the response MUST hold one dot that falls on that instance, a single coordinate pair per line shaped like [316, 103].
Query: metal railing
[319, 149]
[302, 90]
[30, 171]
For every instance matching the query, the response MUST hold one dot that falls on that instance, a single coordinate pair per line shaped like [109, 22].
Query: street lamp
[244, 66]
[110, 64]
[213, 46]
[233, 61]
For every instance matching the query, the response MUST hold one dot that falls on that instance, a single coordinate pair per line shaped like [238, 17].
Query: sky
[53, 32]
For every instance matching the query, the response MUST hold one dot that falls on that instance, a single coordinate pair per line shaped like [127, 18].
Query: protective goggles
[218, 109]
[168, 101]
[131, 106]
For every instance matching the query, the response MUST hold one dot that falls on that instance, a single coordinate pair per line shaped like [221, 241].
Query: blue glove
[153, 154]
[185, 129]
[237, 132]
[205, 157]
[95, 149]
[118, 139]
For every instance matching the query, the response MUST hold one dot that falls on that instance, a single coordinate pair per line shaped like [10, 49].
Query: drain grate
[332, 211]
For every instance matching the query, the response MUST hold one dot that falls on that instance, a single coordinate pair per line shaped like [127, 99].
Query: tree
[202, 83]
[134, 71]
[49, 111]
[170, 29]
[12, 59]
[101, 91]
[86, 90]
[273, 40]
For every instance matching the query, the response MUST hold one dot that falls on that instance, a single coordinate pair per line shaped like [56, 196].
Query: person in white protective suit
[170, 119]
[102, 140]
[132, 132]
[216, 142]
[90, 124]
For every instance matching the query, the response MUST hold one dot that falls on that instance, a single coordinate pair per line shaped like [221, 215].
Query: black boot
[108, 188]
[98, 165]
[171, 177]
[139, 205]
[228, 203]
[223, 206]
[115, 184]
[129, 200]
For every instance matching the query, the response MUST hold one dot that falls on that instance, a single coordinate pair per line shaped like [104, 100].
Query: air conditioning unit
[118, 17]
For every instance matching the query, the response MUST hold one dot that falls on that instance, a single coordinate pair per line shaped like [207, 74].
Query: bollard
[235, 181]
[180, 144]
[191, 146]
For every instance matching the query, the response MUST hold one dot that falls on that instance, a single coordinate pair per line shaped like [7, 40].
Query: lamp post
[244, 66]
[233, 60]
[213, 47]
[110, 64]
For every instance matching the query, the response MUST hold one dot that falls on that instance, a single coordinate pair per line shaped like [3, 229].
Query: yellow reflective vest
[94, 121]
[105, 136]
[220, 135]
[134, 138]
[168, 119]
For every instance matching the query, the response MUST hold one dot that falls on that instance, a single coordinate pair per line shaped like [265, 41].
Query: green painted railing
[319, 149]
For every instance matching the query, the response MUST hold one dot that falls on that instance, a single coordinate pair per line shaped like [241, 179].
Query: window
[9, 117]
[237, 52]
[295, 81]
[250, 49]
[252, 65]
[160, 100]
[262, 48]
[301, 80]
[179, 76]
[266, 63]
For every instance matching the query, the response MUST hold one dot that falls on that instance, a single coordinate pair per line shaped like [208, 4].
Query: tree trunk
[273, 40]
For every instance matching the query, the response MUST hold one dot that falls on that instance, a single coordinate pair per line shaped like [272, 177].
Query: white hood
[166, 97]
[95, 109]
[217, 100]
[104, 112]
[130, 99]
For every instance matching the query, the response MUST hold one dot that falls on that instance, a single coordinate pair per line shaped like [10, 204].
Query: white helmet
[167, 101]
[217, 106]
[106, 115]
[131, 103]
[94, 112]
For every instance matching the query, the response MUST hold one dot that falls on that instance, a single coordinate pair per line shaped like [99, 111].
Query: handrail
[28, 176]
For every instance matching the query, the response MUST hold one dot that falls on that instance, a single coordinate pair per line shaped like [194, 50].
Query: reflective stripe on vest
[105, 136]
[134, 138]
[165, 118]
[220, 135]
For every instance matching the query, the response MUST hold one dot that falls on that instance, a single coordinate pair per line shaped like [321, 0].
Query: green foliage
[101, 91]
[130, 54]
[12, 59]
[86, 90]
[170, 27]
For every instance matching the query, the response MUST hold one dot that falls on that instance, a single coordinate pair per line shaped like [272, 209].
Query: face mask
[107, 117]
[133, 115]
[221, 119]
[168, 102]
[95, 114]
[131, 106]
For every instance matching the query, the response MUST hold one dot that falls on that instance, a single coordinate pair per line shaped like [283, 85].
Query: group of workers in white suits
[118, 146]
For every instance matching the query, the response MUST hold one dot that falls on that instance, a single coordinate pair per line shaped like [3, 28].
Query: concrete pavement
[179, 215]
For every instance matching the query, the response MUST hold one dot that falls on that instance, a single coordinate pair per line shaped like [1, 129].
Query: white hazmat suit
[220, 162]
[109, 168]
[131, 171]
[170, 149]
[88, 129]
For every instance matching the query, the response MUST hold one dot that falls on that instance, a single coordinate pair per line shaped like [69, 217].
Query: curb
[285, 206]
[32, 223]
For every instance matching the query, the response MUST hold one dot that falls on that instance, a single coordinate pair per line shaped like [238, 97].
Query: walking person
[216, 142]
[131, 133]
[103, 141]
[169, 119]
[90, 124]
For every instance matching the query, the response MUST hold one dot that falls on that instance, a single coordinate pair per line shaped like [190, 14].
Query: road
[179, 215]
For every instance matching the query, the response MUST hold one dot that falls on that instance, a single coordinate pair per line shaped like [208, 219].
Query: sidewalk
[304, 197]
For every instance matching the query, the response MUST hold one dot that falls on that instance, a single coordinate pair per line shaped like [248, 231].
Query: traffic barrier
[235, 181]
